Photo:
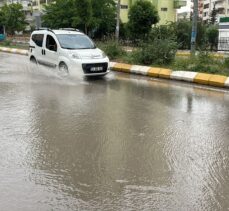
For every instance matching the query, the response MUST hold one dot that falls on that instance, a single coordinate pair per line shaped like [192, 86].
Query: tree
[84, 14]
[142, 15]
[104, 15]
[183, 30]
[213, 15]
[59, 14]
[212, 36]
[13, 18]
[96, 17]
[1, 18]
[201, 39]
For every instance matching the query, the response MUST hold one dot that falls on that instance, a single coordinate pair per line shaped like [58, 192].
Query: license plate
[96, 69]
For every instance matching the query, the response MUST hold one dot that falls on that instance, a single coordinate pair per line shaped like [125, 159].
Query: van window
[75, 41]
[51, 43]
[38, 39]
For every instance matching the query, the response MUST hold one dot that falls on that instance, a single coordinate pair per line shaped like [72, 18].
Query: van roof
[66, 32]
[59, 31]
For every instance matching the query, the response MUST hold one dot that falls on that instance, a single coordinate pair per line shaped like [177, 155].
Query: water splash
[21, 70]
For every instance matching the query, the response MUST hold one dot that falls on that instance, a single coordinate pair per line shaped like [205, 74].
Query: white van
[68, 50]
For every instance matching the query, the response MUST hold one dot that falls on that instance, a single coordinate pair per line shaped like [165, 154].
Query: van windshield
[75, 41]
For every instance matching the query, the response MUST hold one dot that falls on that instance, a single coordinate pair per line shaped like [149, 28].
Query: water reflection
[119, 143]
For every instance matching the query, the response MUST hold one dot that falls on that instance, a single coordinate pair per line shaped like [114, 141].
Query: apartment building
[167, 9]
[38, 4]
[185, 12]
[201, 8]
[222, 7]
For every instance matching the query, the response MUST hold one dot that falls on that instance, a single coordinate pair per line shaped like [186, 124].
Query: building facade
[221, 6]
[167, 9]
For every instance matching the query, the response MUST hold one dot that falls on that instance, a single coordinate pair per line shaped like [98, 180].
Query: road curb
[14, 50]
[193, 77]
[156, 72]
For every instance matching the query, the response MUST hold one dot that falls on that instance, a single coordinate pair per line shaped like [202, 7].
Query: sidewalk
[193, 77]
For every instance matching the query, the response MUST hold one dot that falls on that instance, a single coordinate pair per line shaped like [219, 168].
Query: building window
[206, 6]
[124, 6]
[164, 9]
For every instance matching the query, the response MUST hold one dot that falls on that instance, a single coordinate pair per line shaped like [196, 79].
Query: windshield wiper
[70, 48]
[79, 48]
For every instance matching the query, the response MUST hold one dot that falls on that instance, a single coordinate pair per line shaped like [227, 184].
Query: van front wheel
[33, 60]
[63, 68]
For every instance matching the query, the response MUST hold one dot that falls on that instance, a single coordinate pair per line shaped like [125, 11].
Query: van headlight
[75, 56]
[104, 55]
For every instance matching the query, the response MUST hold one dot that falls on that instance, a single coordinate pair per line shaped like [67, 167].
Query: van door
[36, 45]
[50, 51]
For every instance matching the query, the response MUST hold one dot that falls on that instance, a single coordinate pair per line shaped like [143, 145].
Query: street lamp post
[194, 27]
[118, 21]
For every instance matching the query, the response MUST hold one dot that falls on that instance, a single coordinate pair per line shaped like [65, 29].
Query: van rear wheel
[63, 68]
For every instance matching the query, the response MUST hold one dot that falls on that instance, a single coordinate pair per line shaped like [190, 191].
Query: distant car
[69, 50]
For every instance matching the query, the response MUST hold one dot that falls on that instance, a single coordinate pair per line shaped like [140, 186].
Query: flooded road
[118, 143]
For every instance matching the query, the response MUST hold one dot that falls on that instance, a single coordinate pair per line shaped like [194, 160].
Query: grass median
[166, 56]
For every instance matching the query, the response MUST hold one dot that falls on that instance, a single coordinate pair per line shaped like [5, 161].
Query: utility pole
[118, 21]
[194, 27]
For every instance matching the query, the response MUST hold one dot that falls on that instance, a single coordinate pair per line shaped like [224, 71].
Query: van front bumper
[97, 74]
[91, 67]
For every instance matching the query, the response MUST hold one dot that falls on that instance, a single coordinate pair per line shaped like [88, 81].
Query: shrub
[212, 37]
[226, 62]
[183, 63]
[184, 28]
[6, 43]
[159, 51]
[204, 58]
[203, 62]
[112, 49]
[163, 32]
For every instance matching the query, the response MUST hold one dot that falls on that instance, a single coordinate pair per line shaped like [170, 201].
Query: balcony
[179, 3]
[220, 5]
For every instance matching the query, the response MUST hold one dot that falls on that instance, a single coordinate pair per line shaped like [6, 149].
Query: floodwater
[118, 143]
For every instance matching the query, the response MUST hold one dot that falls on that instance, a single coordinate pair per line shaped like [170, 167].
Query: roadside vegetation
[10, 43]
[12, 17]
[139, 42]
[203, 62]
